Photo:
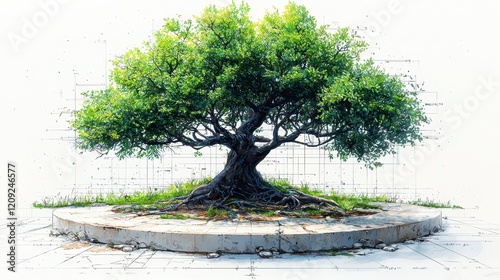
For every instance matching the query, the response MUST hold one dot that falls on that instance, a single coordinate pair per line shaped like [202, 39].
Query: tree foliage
[221, 78]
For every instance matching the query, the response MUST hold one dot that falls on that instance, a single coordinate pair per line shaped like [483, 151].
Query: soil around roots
[240, 189]
[247, 213]
[257, 194]
[240, 184]
[215, 202]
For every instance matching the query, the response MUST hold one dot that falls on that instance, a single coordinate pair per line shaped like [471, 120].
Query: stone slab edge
[397, 223]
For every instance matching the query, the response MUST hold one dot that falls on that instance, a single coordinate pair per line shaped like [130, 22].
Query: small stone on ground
[389, 249]
[54, 232]
[357, 245]
[265, 254]
[72, 236]
[82, 236]
[213, 255]
[127, 249]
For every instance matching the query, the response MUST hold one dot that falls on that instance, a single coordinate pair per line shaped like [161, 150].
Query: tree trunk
[240, 180]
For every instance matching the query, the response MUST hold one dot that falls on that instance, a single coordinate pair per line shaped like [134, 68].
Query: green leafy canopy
[221, 77]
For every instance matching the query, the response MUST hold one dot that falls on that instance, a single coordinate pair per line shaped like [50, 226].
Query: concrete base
[397, 223]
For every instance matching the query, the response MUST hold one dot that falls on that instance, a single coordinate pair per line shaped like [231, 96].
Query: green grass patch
[68, 200]
[346, 202]
[434, 204]
[283, 185]
[268, 213]
[160, 199]
[174, 216]
[217, 213]
[314, 212]
[136, 198]
[339, 253]
[296, 214]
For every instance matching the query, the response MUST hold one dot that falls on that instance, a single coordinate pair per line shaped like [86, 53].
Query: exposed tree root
[240, 185]
[298, 199]
[224, 197]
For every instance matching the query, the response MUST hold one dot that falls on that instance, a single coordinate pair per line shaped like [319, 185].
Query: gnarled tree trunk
[240, 180]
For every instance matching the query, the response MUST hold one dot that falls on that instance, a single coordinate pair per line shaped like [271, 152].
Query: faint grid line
[474, 260]
[70, 258]
[427, 257]
[58, 247]
[490, 231]
[35, 229]
[134, 260]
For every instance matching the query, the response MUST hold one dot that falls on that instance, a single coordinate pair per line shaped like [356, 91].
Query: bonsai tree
[222, 78]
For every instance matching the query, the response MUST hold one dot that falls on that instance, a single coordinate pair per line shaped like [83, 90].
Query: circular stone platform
[396, 223]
